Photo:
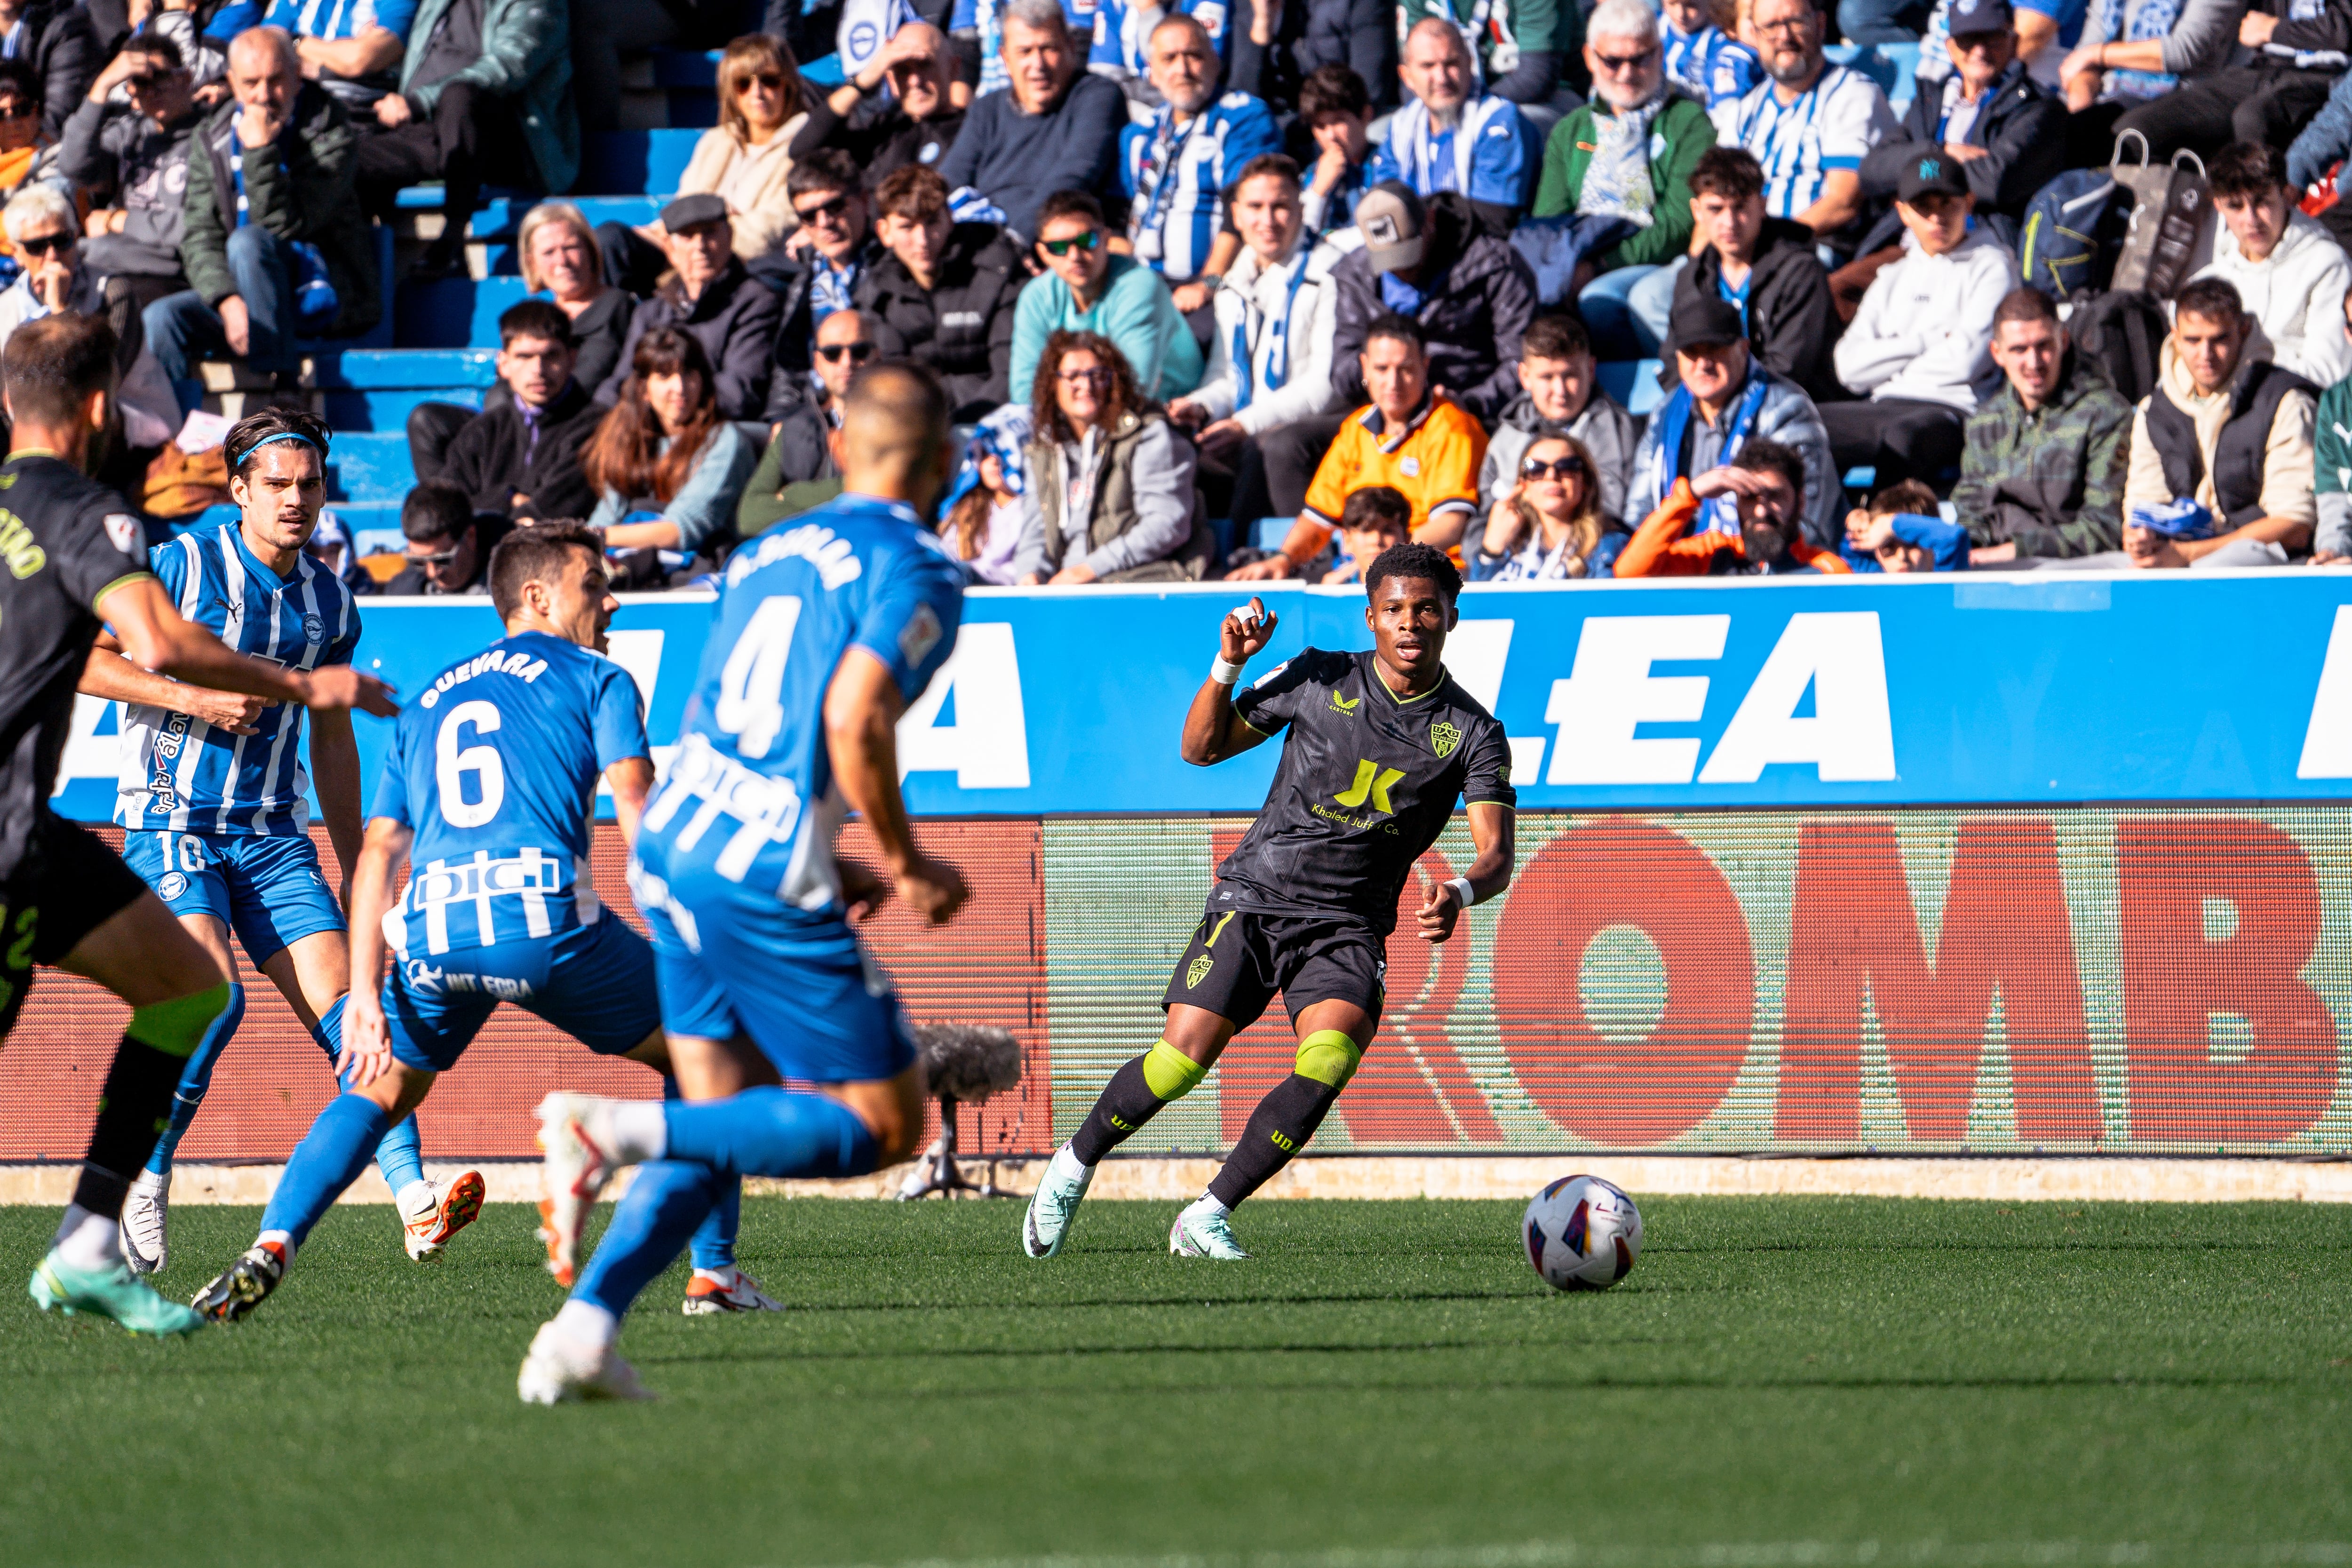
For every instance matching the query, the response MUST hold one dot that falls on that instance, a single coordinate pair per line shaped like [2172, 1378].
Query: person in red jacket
[1769, 480]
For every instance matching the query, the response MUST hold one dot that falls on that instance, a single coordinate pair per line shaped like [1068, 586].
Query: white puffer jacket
[2297, 294]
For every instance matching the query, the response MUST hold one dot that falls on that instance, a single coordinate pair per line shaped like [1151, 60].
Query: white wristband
[1222, 673]
[1461, 891]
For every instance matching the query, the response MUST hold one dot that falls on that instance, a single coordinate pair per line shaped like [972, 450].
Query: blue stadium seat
[1905, 58]
[825, 72]
[1893, 67]
[456, 312]
[1634, 382]
[1862, 480]
[632, 162]
[370, 465]
[1268, 532]
[374, 389]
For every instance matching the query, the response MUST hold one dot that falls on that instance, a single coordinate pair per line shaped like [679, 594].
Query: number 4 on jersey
[750, 689]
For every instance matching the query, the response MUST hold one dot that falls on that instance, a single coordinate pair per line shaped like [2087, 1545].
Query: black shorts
[67, 885]
[1239, 959]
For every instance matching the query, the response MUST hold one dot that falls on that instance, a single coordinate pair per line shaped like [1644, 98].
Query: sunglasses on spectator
[1613, 64]
[1086, 241]
[830, 209]
[436, 558]
[1557, 469]
[859, 353]
[45, 244]
[1095, 374]
[766, 81]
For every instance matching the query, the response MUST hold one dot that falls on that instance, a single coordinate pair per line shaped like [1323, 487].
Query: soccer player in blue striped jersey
[1177, 168]
[213, 798]
[488, 791]
[826, 628]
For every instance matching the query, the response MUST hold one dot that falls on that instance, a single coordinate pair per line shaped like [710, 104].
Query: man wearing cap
[1448, 137]
[1920, 348]
[1811, 125]
[1470, 293]
[2005, 130]
[713, 298]
[1723, 398]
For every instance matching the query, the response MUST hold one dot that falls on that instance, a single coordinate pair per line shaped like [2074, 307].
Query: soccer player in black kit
[1379, 747]
[76, 557]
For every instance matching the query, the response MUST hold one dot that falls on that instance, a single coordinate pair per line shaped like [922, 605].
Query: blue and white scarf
[1721, 513]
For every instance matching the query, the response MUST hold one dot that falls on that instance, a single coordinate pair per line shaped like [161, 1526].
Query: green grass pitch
[1386, 1386]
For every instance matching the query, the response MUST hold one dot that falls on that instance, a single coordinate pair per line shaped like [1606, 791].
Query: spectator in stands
[519, 457]
[1412, 438]
[2042, 471]
[2224, 428]
[1768, 484]
[1901, 531]
[982, 517]
[1883, 21]
[484, 96]
[58, 42]
[276, 245]
[1176, 168]
[2286, 267]
[745, 160]
[24, 149]
[449, 546]
[2331, 544]
[667, 463]
[1723, 399]
[916, 121]
[2299, 50]
[1766, 267]
[797, 471]
[1336, 111]
[1921, 346]
[946, 293]
[2117, 65]
[201, 35]
[559, 259]
[1450, 138]
[713, 298]
[1359, 36]
[1087, 287]
[1704, 55]
[1545, 522]
[352, 50]
[1561, 395]
[41, 229]
[1109, 496]
[1056, 129]
[1628, 155]
[1810, 126]
[1270, 356]
[1376, 518]
[1470, 293]
[1520, 46]
[141, 154]
[2005, 129]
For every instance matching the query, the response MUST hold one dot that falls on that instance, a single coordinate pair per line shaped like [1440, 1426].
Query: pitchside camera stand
[965, 1063]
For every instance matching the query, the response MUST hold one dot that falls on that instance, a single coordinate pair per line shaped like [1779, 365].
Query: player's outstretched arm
[367, 1049]
[861, 731]
[1212, 730]
[155, 637]
[1493, 828]
[335, 772]
[631, 780]
[110, 675]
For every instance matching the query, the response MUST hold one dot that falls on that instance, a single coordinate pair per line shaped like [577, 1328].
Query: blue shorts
[268, 890]
[798, 985]
[595, 983]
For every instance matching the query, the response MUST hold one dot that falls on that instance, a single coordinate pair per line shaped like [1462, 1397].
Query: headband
[281, 436]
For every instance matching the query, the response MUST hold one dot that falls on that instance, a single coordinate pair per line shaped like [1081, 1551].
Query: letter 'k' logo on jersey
[1372, 782]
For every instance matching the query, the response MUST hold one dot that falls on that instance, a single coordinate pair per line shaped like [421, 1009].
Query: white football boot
[144, 1246]
[572, 1175]
[562, 1369]
[709, 1294]
[1205, 1230]
[1055, 1203]
[444, 1208]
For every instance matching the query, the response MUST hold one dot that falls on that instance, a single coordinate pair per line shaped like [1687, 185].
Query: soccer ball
[1583, 1233]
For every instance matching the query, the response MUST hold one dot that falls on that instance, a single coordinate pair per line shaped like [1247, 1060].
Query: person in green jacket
[1086, 289]
[1627, 154]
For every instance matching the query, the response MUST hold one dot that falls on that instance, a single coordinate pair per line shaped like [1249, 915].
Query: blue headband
[281, 436]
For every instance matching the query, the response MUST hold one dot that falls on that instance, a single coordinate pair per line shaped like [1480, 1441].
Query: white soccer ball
[1583, 1233]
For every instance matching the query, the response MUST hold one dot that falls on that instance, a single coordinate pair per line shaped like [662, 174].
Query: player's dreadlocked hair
[1412, 560]
[269, 427]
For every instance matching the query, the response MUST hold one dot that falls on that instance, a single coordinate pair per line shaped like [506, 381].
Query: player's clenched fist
[933, 890]
[1246, 631]
[1439, 912]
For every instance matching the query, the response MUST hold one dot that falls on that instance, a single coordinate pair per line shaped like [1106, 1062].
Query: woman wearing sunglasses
[1547, 526]
[668, 471]
[1109, 495]
[744, 159]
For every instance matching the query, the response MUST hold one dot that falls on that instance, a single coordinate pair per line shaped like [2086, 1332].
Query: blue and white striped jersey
[750, 794]
[1176, 176]
[1491, 154]
[494, 767]
[1710, 64]
[1831, 126]
[1122, 33]
[180, 774]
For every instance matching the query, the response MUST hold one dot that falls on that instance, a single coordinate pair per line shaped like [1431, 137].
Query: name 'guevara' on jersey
[1367, 781]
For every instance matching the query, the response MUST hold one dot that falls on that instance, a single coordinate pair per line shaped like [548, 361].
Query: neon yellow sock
[177, 1027]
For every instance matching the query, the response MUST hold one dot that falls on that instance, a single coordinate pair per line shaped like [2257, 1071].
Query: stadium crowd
[1354, 267]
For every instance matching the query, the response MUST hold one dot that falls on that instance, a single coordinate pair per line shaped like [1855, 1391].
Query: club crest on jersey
[1443, 738]
[423, 978]
[173, 885]
[314, 629]
[1198, 971]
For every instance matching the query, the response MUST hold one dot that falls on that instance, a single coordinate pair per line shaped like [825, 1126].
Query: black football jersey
[1366, 783]
[65, 540]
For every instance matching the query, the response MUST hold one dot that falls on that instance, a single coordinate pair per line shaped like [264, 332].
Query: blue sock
[195, 1078]
[714, 1239]
[665, 1202]
[329, 1158]
[770, 1132]
[401, 1156]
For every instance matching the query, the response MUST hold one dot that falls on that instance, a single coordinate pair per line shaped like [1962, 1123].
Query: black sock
[1127, 1103]
[1280, 1126]
[132, 1111]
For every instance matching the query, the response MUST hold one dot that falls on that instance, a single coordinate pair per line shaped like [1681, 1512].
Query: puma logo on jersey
[1345, 704]
[1372, 782]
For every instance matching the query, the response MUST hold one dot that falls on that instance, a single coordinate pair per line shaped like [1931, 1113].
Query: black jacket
[734, 320]
[2022, 130]
[493, 458]
[791, 277]
[63, 46]
[963, 327]
[799, 448]
[2317, 44]
[1482, 298]
[879, 141]
[1357, 32]
[1792, 323]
